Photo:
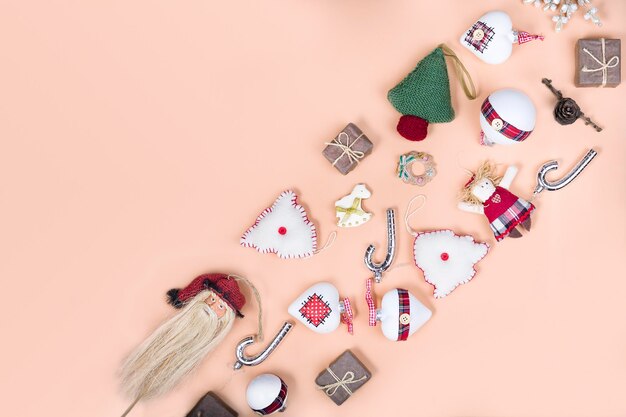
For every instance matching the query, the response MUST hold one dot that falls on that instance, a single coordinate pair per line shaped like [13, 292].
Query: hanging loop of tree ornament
[379, 268]
[240, 354]
[543, 184]
[567, 110]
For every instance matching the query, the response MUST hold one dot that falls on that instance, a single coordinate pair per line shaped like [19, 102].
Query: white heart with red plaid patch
[318, 308]
[490, 38]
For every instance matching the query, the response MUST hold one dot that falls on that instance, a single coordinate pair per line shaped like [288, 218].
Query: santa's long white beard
[174, 349]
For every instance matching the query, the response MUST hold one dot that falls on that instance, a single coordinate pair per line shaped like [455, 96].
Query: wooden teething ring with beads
[405, 171]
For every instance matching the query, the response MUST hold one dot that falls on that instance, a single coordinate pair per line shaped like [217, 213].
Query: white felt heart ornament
[283, 229]
[320, 309]
[446, 259]
[491, 37]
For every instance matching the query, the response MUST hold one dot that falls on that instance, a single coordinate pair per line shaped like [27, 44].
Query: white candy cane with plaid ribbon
[347, 315]
[370, 302]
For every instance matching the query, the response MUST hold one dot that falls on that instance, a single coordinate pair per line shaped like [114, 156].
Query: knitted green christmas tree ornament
[424, 95]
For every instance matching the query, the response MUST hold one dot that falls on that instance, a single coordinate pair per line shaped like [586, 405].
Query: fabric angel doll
[489, 194]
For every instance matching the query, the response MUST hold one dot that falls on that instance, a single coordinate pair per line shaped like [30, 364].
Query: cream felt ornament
[320, 309]
[488, 194]
[400, 314]
[446, 259]
[491, 37]
[507, 117]
[349, 210]
[209, 305]
[283, 229]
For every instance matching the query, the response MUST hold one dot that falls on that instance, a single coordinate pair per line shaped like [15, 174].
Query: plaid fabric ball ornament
[491, 37]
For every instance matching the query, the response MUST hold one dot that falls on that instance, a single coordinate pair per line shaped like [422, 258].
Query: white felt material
[390, 314]
[283, 229]
[462, 254]
[514, 107]
[262, 391]
[326, 293]
[500, 46]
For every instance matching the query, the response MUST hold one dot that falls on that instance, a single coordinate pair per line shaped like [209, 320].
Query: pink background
[140, 139]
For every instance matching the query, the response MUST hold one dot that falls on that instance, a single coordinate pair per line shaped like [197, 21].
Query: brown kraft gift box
[596, 67]
[343, 377]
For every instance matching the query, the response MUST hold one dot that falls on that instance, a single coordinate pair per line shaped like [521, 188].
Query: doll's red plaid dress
[505, 211]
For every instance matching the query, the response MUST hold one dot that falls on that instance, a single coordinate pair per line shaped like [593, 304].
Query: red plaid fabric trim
[523, 37]
[405, 307]
[508, 129]
[348, 315]
[278, 403]
[516, 214]
[315, 310]
[370, 302]
[482, 44]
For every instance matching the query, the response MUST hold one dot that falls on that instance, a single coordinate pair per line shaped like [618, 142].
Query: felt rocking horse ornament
[349, 210]
[208, 308]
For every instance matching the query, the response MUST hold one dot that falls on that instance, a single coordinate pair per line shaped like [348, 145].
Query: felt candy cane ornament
[284, 229]
[491, 37]
[446, 259]
[208, 307]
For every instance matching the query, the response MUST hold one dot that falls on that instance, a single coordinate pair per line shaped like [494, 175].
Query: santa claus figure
[208, 307]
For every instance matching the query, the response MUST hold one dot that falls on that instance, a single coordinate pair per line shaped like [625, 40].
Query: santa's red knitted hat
[223, 285]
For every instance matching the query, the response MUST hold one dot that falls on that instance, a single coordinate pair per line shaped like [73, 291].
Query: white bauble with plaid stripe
[267, 394]
[507, 117]
[397, 315]
[320, 308]
[491, 37]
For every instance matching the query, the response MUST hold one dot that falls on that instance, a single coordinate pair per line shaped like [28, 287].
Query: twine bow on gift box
[346, 149]
[604, 64]
[348, 379]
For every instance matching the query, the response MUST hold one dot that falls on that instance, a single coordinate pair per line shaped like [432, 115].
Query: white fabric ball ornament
[507, 117]
[267, 394]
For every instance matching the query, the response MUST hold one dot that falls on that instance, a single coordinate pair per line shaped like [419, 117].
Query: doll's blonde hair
[485, 170]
